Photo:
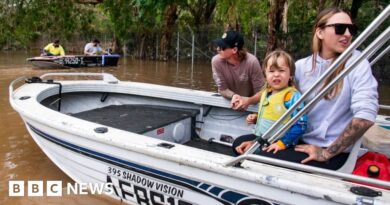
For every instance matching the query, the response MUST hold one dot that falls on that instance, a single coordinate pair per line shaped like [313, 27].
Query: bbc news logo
[54, 188]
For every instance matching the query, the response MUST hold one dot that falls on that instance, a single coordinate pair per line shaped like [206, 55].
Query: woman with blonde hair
[349, 109]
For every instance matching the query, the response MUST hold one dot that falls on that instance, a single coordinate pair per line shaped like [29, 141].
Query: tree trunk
[115, 45]
[283, 41]
[275, 18]
[337, 3]
[142, 46]
[356, 4]
[202, 13]
[165, 44]
[321, 5]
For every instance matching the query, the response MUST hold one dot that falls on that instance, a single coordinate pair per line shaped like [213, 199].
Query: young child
[278, 95]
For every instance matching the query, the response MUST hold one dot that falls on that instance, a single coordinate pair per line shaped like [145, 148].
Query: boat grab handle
[11, 86]
[107, 77]
[386, 107]
[311, 169]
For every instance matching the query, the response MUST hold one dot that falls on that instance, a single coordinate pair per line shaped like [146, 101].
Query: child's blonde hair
[273, 57]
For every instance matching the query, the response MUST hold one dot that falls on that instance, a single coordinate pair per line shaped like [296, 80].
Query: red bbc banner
[160, 131]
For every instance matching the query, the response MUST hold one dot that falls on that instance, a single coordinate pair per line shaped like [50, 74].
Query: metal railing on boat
[109, 78]
[267, 137]
[316, 170]
[106, 77]
[387, 107]
[12, 85]
[380, 55]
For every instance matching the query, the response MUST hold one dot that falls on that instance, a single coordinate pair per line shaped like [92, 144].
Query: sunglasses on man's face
[223, 48]
[340, 28]
[219, 48]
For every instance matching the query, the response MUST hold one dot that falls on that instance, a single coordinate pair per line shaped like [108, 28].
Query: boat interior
[200, 126]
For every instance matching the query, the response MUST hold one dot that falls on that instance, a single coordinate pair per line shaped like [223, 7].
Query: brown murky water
[20, 157]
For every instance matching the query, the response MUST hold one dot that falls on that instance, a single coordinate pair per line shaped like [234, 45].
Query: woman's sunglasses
[340, 28]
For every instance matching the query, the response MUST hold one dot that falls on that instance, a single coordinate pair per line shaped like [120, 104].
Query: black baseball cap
[230, 39]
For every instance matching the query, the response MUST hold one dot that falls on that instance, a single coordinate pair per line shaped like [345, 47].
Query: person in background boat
[236, 72]
[53, 49]
[278, 95]
[93, 48]
[338, 120]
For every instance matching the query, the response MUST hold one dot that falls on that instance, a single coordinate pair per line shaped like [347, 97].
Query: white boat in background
[74, 61]
[166, 145]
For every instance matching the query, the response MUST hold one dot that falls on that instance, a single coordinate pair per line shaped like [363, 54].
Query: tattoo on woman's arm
[321, 155]
[355, 129]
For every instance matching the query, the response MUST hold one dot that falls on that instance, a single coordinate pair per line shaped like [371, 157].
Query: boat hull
[134, 181]
[142, 169]
[74, 61]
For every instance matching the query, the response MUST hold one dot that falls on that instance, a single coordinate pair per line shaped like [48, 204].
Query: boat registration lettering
[146, 182]
[114, 171]
[71, 61]
[139, 189]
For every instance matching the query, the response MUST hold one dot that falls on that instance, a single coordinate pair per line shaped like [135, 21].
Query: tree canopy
[142, 25]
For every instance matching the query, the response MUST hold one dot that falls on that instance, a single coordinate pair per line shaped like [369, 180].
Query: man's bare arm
[254, 99]
[227, 93]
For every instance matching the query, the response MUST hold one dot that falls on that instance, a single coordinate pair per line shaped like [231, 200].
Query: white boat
[166, 145]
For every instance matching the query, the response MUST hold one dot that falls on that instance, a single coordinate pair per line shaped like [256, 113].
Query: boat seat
[349, 165]
[136, 118]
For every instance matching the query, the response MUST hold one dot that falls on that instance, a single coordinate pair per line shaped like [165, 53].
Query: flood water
[22, 159]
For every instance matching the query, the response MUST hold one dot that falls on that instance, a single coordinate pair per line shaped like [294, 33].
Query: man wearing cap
[53, 49]
[236, 72]
[93, 48]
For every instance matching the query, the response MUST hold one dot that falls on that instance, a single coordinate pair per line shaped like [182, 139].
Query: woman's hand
[251, 119]
[243, 147]
[315, 153]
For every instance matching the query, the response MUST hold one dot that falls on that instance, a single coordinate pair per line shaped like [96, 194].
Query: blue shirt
[299, 127]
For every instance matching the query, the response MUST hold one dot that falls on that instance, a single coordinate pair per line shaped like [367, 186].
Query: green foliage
[130, 16]
[23, 21]
[120, 14]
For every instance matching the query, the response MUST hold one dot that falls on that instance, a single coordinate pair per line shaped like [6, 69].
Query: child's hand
[251, 119]
[273, 147]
